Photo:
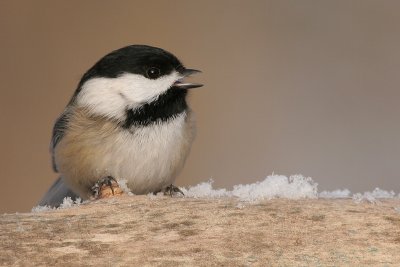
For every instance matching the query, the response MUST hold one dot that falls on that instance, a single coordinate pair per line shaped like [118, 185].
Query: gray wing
[58, 132]
[59, 190]
[56, 194]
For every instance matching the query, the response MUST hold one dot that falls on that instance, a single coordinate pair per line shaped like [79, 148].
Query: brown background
[305, 87]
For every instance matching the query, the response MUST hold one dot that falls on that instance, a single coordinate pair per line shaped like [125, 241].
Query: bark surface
[165, 231]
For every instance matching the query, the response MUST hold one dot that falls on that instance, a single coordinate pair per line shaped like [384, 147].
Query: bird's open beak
[181, 84]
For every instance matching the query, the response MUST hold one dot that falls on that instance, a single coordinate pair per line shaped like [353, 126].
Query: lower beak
[180, 84]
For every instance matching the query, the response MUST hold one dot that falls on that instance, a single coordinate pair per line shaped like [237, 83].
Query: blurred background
[291, 87]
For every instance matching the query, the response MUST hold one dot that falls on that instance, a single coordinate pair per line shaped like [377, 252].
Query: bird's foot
[106, 187]
[172, 190]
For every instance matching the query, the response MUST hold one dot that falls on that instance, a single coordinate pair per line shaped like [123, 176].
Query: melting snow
[373, 196]
[67, 203]
[273, 186]
[339, 193]
[122, 184]
[279, 186]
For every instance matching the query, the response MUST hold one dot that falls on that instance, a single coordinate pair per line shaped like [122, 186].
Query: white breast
[148, 157]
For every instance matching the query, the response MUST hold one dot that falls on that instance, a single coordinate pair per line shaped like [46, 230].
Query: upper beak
[180, 84]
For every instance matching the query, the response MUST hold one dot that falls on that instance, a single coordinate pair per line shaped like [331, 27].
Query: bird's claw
[172, 190]
[109, 181]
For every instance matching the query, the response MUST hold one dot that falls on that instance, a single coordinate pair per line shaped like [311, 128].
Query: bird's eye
[153, 73]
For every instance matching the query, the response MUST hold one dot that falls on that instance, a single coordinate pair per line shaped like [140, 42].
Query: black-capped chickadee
[128, 119]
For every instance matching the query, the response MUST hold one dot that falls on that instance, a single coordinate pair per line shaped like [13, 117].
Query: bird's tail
[56, 194]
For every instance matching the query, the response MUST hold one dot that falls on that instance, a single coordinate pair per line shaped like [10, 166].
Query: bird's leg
[102, 187]
[172, 190]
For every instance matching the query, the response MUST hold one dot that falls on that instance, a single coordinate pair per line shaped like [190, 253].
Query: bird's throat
[167, 106]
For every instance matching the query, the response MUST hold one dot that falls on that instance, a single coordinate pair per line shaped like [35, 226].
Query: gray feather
[58, 132]
[56, 194]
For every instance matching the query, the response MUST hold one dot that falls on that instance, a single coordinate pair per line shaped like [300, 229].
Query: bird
[127, 119]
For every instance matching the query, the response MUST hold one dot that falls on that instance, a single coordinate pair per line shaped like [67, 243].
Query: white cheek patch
[111, 97]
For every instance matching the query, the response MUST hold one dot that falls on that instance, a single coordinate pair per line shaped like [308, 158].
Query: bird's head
[130, 78]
